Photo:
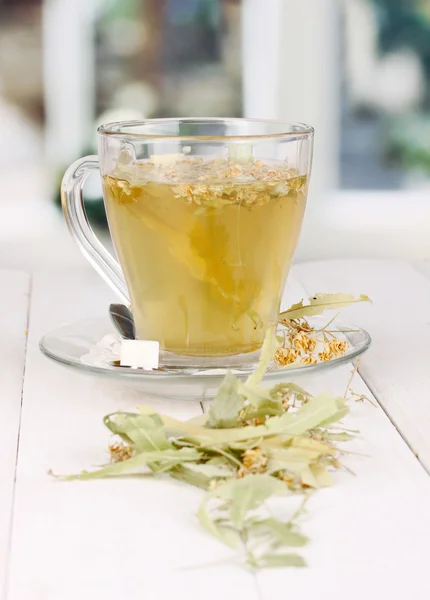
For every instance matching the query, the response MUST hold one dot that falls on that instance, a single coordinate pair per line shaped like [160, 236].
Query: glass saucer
[92, 346]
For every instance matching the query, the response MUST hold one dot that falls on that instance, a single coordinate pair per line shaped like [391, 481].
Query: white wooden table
[138, 538]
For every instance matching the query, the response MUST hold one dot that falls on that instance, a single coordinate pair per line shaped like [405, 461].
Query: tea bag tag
[139, 354]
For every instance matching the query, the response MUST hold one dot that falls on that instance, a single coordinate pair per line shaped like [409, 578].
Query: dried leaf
[283, 532]
[320, 409]
[204, 436]
[281, 459]
[254, 394]
[341, 437]
[225, 408]
[168, 458]
[226, 535]
[187, 429]
[218, 453]
[184, 473]
[200, 420]
[290, 388]
[213, 470]
[320, 303]
[323, 448]
[266, 356]
[280, 560]
[342, 411]
[267, 408]
[247, 494]
[144, 433]
[307, 478]
[322, 477]
[180, 247]
[311, 415]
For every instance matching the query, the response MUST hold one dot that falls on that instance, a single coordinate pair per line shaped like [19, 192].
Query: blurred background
[358, 70]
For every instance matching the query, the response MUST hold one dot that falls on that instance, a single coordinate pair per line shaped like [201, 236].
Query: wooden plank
[126, 539]
[103, 539]
[423, 266]
[368, 533]
[14, 302]
[396, 368]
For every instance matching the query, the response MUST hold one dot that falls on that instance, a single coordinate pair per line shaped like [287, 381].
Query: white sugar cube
[139, 354]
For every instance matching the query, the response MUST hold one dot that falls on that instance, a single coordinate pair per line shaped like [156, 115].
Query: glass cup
[204, 215]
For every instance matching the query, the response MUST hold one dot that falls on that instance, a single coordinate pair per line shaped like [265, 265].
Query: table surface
[139, 538]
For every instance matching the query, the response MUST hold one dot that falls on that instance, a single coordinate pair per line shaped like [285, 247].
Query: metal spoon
[122, 318]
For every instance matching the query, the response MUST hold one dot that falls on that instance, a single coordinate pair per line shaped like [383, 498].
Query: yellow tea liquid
[205, 247]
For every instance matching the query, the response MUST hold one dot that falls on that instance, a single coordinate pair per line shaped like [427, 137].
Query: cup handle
[77, 221]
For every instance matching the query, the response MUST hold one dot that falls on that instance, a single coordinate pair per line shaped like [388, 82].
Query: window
[385, 129]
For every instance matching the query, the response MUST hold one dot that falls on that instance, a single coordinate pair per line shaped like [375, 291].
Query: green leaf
[182, 429]
[227, 404]
[283, 532]
[200, 420]
[308, 478]
[118, 423]
[243, 445]
[320, 303]
[247, 494]
[289, 387]
[282, 459]
[207, 450]
[280, 560]
[266, 356]
[337, 416]
[254, 394]
[341, 437]
[168, 458]
[219, 461]
[213, 470]
[205, 436]
[224, 534]
[309, 416]
[294, 453]
[267, 408]
[187, 475]
[144, 433]
[321, 475]
[261, 402]
[321, 448]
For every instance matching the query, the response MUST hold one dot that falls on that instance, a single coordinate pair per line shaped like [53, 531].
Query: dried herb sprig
[255, 443]
[301, 343]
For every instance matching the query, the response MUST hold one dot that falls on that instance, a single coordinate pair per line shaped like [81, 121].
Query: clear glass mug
[205, 216]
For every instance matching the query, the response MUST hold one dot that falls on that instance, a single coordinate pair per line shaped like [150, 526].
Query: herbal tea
[205, 246]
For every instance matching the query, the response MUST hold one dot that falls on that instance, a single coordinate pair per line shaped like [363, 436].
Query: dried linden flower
[285, 356]
[309, 360]
[120, 452]
[253, 461]
[210, 183]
